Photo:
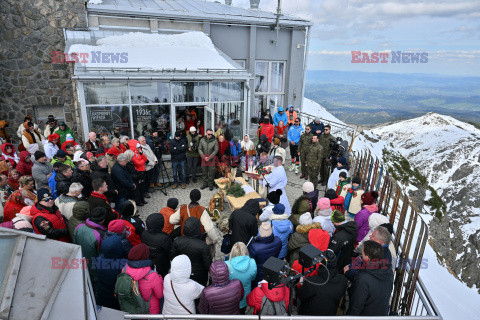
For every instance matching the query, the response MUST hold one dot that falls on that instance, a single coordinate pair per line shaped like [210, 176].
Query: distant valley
[372, 98]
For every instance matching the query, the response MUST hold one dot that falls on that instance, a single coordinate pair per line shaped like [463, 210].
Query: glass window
[226, 91]
[147, 119]
[229, 116]
[276, 76]
[275, 101]
[242, 63]
[261, 76]
[190, 91]
[103, 120]
[150, 92]
[259, 107]
[105, 92]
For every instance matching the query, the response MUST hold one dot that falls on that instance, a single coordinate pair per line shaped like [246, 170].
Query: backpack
[270, 308]
[128, 294]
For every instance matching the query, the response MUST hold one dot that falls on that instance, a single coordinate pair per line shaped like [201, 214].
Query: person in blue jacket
[317, 126]
[264, 246]
[293, 136]
[280, 115]
[282, 227]
[243, 268]
[235, 151]
[51, 181]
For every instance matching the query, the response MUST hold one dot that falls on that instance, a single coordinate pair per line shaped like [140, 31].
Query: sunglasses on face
[48, 199]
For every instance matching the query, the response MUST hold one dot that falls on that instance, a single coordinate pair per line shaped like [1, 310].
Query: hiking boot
[296, 169]
[306, 177]
[302, 176]
[292, 166]
[204, 187]
[211, 188]
[174, 186]
[183, 186]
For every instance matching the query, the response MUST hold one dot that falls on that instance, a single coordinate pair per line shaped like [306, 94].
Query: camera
[337, 150]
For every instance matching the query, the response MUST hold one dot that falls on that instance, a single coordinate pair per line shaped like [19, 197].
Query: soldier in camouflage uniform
[314, 160]
[324, 140]
[303, 146]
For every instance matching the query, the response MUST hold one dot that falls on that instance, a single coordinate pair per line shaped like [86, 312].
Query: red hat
[117, 226]
[369, 198]
[89, 155]
[139, 252]
[53, 137]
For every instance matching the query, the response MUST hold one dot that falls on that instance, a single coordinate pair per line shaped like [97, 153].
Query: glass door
[209, 119]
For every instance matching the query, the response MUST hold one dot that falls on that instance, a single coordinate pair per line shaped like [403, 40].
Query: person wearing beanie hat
[243, 223]
[265, 246]
[150, 284]
[62, 131]
[273, 199]
[62, 157]
[172, 205]
[277, 150]
[342, 166]
[317, 126]
[305, 203]
[159, 243]
[305, 219]
[342, 185]
[353, 198]
[194, 209]
[282, 227]
[300, 237]
[133, 224]
[186, 290]
[52, 145]
[192, 245]
[230, 292]
[41, 170]
[361, 218]
[117, 229]
[80, 213]
[323, 215]
[193, 141]
[307, 187]
[343, 240]
[69, 140]
[336, 202]
[323, 300]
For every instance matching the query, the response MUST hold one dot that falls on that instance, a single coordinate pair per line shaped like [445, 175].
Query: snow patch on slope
[315, 109]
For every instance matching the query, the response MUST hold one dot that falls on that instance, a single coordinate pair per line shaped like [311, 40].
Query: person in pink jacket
[149, 284]
[361, 218]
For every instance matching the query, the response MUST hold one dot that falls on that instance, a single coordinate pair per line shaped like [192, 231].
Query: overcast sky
[448, 30]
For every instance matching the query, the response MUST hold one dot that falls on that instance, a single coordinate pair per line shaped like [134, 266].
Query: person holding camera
[193, 140]
[325, 142]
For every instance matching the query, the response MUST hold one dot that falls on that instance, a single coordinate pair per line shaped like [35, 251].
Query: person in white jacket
[341, 167]
[150, 173]
[179, 289]
[51, 146]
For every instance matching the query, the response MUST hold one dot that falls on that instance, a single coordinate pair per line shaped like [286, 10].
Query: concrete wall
[29, 31]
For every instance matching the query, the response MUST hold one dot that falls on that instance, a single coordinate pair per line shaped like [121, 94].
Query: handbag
[171, 283]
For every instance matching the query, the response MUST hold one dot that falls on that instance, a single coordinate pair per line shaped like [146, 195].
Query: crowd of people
[87, 193]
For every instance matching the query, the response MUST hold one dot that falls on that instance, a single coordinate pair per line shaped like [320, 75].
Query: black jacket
[126, 244]
[342, 243]
[63, 183]
[263, 145]
[243, 223]
[158, 242]
[197, 250]
[122, 179]
[178, 149]
[321, 300]
[371, 291]
[84, 178]
[98, 172]
[95, 202]
[134, 173]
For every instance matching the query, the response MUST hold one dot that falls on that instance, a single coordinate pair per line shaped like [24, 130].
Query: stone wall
[29, 31]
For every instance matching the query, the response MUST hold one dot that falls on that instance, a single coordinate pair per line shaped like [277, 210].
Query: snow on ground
[95, 2]
[315, 109]
[189, 50]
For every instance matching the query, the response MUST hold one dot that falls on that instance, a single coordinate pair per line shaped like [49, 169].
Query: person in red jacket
[336, 202]
[139, 159]
[25, 164]
[267, 129]
[280, 294]
[134, 226]
[47, 219]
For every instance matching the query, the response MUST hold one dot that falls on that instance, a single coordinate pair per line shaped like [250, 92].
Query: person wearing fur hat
[150, 284]
[342, 166]
[172, 205]
[322, 300]
[89, 236]
[299, 238]
[264, 246]
[282, 227]
[323, 215]
[158, 242]
[31, 138]
[336, 202]
[51, 146]
[47, 219]
[273, 198]
[305, 203]
[342, 185]
[118, 229]
[223, 296]
[343, 240]
[361, 218]
[41, 170]
[194, 209]
[63, 130]
[353, 198]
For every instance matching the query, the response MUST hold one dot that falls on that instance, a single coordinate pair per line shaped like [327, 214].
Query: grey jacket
[208, 147]
[40, 172]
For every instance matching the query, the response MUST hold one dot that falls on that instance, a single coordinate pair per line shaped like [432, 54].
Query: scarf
[222, 147]
[99, 195]
[280, 129]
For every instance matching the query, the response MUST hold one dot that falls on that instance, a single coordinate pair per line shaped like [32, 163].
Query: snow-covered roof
[197, 10]
[145, 52]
